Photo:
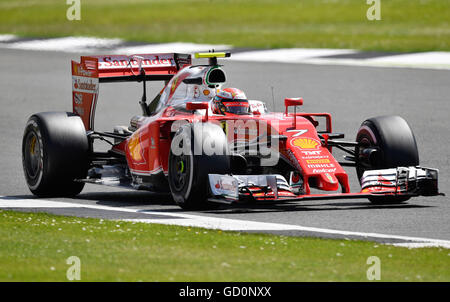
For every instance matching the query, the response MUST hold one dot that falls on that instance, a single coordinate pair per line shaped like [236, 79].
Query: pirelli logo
[318, 161]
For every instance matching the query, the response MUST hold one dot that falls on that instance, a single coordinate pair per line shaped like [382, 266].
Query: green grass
[406, 25]
[35, 246]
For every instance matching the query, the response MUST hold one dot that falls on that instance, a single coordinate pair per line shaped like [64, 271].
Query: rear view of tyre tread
[55, 154]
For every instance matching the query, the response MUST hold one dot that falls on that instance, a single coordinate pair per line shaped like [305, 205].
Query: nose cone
[328, 182]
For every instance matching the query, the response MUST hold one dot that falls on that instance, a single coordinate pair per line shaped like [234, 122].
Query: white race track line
[423, 61]
[6, 38]
[67, 44]
[179, 47]
[428, 60]
[225, 224]
[288, 55]
[316, 56]
[92, 44]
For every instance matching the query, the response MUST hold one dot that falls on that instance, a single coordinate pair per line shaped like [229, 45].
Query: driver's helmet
[230, 100]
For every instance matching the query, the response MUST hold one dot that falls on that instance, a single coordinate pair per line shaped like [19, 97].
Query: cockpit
[191, 84]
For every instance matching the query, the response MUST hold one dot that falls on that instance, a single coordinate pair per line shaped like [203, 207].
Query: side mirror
[293, 102]
[198, 106]
[288, 102]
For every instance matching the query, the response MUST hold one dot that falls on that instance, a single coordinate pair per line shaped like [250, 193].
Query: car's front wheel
[190, 164]
[385, 142]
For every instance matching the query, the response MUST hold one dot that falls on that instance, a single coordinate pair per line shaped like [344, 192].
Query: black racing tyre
[396, 146]
[54, 153]
[188, 171]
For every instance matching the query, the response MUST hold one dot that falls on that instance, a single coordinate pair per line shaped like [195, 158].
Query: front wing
[401, 181]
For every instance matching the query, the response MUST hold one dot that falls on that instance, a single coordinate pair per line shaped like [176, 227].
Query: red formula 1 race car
[205, 143]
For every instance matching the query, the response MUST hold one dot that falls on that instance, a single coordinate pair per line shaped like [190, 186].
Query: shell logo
[305, 143]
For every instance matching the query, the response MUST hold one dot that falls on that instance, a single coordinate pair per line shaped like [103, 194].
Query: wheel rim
[179, 171]
[364, 142]
[32, 155]
[179, 168]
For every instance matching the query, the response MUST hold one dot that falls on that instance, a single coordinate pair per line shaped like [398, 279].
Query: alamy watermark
[374, 270]
[74, 10]
[74, 271]
[374, 11]
[245, 137]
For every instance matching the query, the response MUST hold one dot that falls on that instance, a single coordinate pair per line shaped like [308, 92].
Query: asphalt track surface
[32, 81]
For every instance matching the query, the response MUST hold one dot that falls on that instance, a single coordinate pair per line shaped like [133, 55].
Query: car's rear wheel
[54, 154]
[385, 142]
[188, 171]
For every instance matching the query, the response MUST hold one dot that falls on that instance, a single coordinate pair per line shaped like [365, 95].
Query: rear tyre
[55, 153]
[396, 146]
[188, 171]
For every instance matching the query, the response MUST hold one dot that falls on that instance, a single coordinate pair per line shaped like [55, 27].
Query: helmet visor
[237, 106]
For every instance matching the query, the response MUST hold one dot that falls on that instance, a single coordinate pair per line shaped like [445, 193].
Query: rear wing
[92, 70]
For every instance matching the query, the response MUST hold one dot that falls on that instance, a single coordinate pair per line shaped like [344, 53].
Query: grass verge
[35, 247]
[405, 25]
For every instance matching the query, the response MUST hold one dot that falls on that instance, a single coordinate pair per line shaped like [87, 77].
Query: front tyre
[54, 154]
[190, 163]
[385, 142]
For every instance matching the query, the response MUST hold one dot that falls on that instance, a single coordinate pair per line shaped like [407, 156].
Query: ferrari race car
[205, 144]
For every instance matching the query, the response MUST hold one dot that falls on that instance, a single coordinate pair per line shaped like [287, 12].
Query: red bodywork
[147, 149]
